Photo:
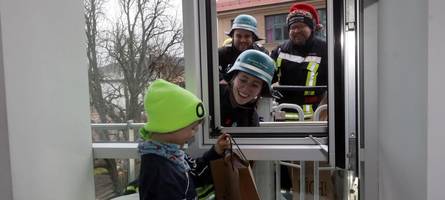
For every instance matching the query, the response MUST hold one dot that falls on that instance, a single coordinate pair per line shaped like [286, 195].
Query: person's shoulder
[225, 49]
[257, 45]
[319, 42]
[260, 47]
[279, 47]
[285, 46]
[153, 158]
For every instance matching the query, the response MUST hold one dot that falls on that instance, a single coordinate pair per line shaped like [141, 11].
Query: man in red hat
[302, 60]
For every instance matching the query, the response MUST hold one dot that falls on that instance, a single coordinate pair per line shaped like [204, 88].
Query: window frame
[201, 52]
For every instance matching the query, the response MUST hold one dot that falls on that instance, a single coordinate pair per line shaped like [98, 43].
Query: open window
[322, 140]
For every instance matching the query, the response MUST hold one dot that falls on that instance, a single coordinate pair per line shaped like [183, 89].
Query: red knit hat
[306, 13]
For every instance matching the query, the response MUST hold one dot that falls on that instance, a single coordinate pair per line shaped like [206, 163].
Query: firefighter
[244, 36]
[252, 75]
[302, 60]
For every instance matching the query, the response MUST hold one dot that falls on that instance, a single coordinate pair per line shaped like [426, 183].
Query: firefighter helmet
[257, 64]
[245, 22]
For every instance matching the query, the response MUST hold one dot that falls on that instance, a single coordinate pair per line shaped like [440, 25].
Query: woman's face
[246, 88]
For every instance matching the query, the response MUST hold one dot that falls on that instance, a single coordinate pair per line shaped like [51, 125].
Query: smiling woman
[251, 77]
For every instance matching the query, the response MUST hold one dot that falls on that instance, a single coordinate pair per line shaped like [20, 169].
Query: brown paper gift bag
[233, 178]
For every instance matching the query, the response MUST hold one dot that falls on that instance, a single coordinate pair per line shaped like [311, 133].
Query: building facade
[270, 15]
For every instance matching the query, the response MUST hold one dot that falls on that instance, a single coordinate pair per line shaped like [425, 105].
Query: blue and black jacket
[159, 178]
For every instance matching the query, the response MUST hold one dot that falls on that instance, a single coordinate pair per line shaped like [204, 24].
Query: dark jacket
[227, 56]
[293, 69]
[245, 115]
[159, 179]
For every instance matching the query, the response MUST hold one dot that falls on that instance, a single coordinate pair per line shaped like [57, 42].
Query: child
[174, 115]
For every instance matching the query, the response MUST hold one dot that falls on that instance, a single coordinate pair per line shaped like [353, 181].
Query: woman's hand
[222, 143]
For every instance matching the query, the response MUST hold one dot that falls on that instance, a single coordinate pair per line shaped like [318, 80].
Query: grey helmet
[257, 64]
[245, 22]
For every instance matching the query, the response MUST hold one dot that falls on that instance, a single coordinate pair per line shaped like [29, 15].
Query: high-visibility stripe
[315, 59]
[295, 116]
[206, 193]
[290, 57]
[210, 196]
[308, 109]
[311, 80]
[299, 59]
[312, 66]
[255, 69]
[278, 64]
[311, 77]
[291, 116]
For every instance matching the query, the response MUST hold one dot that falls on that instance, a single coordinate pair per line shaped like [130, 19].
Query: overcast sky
[112, 7]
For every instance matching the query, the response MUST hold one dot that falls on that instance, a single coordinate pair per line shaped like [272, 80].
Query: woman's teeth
[243, 95]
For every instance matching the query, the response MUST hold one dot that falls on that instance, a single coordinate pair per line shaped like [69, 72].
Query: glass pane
[269, 28]
[125, 53]
[118, 177]
[115, 177]
[286, 32]
[277, 34]
[269, 35]
[107, 133]
[302, 80]
[282, 18]
[269, 21]
[323, 32]
[330, 183]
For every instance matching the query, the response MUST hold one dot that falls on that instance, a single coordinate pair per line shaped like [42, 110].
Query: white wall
[370, 50]
[46, 94]
[5, 164]
[402, 95]
[436, 100]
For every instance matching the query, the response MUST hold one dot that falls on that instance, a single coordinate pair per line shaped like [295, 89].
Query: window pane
[113, 176]
[322, 33]
[282, 18]
[277, 34]
[279, 23]
[125, 54]
[269, 28]
[286, 32]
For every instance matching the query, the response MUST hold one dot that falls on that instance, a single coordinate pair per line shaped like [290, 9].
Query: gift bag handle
[238, 148]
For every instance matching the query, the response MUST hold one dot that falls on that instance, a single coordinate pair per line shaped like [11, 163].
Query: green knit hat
[169, 108]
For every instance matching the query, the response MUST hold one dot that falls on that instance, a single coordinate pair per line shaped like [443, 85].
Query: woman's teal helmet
[245, 22]
[257, 64]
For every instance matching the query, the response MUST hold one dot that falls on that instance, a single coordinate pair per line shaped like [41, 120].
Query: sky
[112, 8]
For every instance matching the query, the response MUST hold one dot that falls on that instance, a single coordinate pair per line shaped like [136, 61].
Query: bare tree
[93, 9]
[125, 55]
[143, 44]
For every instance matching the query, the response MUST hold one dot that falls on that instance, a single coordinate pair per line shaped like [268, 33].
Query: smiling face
[246, 88]
[242, 39]
[299, 33]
